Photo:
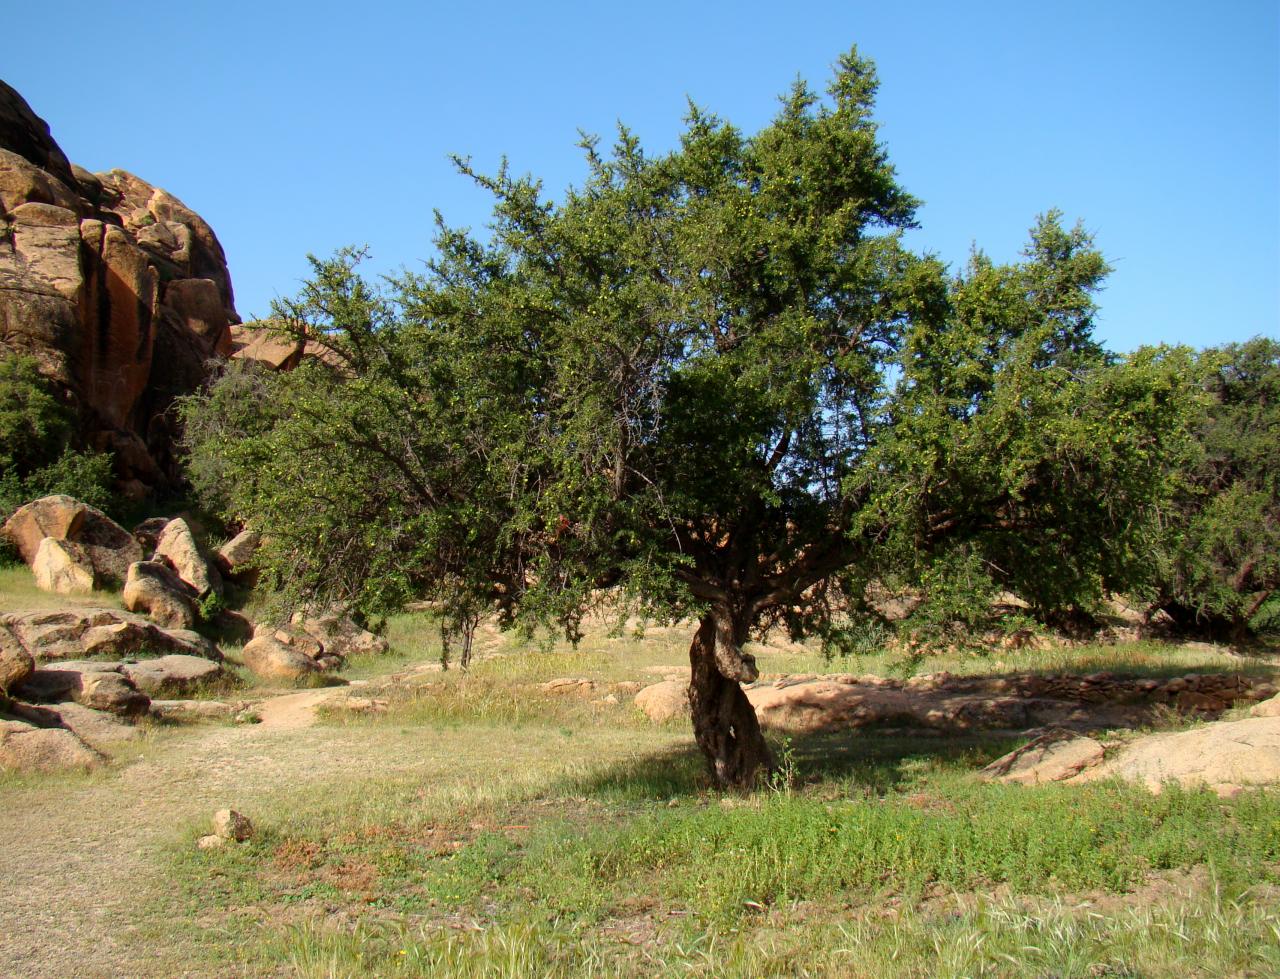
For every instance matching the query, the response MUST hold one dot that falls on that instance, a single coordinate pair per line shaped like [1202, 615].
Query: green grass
[18, 593]
[1148, 658]
[1204, 933]
[553, 834]
[546, 876]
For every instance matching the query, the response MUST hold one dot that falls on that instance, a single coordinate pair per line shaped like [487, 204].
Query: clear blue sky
[296, 127]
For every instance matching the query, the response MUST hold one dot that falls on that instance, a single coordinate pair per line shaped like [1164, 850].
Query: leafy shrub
[38, 454]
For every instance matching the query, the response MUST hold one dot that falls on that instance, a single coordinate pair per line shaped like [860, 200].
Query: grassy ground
[18, 592]
[485, 826]
[575, 838]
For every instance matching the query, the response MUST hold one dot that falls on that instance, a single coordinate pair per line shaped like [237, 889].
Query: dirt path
[80, 855]
[294, 710]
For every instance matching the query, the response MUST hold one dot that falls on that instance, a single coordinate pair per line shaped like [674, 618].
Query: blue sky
[297, 127]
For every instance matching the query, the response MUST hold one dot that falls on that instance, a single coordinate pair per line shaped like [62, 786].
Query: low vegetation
[598, 846]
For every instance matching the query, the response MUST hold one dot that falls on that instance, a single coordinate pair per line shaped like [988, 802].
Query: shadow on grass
[864, 762]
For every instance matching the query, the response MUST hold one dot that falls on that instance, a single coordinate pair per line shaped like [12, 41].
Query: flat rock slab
[94, 727]
[27, 748]
[1053, 757]
[1268, 708]
[194, 710]
[174, 674]
[1222, 756]
[807, 704]
[826, 705]
[90, 633]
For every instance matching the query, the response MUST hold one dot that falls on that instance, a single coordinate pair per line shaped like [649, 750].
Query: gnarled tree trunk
[724, 722]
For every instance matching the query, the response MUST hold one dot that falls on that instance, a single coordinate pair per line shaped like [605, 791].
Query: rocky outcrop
[117, 289]
[98, 729]
[1227, 757]
[88, 633]
[812, 704]
[1224, 757]
[165, 676]
[97, 686]
[108, 548]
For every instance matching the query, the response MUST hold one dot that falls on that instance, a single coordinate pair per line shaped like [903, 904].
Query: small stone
[231, 825]
[210, 842]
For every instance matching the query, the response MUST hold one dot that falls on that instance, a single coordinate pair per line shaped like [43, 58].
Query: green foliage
[712, 379]
[38, 456]
[1218, 545]
[1021, 455]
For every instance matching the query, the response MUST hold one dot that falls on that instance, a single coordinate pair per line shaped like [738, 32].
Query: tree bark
[724, 722]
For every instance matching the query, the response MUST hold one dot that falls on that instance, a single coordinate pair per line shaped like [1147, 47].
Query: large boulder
[89, 633]
[271, 659]
[63, 567]
[27, 748]
[116, 288]
[153, 588]
[664, 701]
[232, 557]
[98, 686]
[176, 546]
[109, 548]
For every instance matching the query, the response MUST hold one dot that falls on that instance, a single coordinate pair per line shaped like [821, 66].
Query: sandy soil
[79, 855]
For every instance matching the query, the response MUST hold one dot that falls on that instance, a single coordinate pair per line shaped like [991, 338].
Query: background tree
[713, 383]
[1217, 548]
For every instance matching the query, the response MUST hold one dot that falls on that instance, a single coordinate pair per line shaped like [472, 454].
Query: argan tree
[708, 384]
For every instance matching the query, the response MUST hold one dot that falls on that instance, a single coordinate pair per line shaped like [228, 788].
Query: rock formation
[117, 289]
[99, 544]
[85, 633]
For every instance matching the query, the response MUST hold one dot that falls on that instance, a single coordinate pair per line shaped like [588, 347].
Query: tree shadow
[864, 761]
[877, 758]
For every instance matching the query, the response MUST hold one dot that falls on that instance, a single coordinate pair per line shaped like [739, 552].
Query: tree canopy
[711, 383]
[1216, 548]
